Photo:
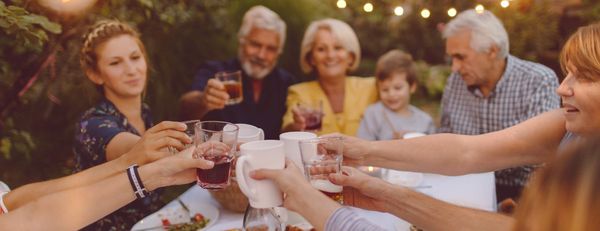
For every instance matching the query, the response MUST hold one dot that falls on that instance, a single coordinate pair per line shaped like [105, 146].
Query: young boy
[393, 116]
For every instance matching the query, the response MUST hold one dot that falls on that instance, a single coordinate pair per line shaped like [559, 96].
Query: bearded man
[261, 39]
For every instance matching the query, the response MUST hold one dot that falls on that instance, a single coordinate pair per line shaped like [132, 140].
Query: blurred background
[43, 90]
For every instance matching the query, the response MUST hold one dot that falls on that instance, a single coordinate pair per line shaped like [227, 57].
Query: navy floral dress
[96, 128]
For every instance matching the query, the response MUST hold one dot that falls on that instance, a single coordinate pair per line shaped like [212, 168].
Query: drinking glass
[313, 115]
[215, 141]
[190, 131]
[233, 85]
[262, 219]
[321, 157]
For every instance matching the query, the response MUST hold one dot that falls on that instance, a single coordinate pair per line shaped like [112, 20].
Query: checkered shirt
[525, 90]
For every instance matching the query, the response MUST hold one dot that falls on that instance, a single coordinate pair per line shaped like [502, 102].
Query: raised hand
[153, 144]
[299, 121]
[290, 181]
[368, 190]
[172, 170]
[214, 96]
[355, 149]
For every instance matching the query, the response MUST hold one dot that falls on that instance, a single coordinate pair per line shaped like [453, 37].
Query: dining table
[472, 190]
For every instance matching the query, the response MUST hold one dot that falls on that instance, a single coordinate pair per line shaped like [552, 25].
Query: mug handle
[240, 166]
[261, 134]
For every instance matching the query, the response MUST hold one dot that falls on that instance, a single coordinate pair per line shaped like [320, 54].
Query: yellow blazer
[359, 93]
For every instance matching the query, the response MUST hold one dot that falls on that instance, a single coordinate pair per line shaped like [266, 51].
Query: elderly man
[261, 39]
[490, 90]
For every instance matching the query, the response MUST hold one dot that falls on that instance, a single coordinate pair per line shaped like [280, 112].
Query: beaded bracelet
[136, 182]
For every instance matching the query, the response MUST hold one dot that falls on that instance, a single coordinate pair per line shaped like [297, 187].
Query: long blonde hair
[566, 194]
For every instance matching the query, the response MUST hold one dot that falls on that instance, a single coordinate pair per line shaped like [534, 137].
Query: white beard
[256, 73]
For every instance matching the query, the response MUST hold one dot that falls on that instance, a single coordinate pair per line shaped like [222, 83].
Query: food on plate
[198, 221]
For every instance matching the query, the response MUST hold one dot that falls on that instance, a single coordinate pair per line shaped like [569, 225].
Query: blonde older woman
[330, 50]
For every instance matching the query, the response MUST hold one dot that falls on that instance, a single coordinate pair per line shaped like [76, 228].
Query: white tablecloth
[474, 190]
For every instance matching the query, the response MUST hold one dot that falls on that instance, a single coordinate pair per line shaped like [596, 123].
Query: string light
[68, 7]
[398, 11]
[479, 8]
[425, 13]
[368, 7]
[341, 4]
[504, 3]
[452, 12]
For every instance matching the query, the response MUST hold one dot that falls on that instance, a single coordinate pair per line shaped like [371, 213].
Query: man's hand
[214, 95]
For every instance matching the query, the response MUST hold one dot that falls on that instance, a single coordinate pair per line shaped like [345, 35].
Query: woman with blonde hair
[330, 50]
[114, 59]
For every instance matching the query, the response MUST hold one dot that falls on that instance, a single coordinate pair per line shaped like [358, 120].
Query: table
[227, 219]
[473, 190]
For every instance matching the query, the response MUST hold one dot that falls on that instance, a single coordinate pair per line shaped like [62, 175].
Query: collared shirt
[359, 94]
[95, 130]
[266, 113]
[525, 90]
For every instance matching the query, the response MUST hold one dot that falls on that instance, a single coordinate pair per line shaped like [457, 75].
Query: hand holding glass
[233, 86]
[215, 141]
[321, 157]
[312, 114]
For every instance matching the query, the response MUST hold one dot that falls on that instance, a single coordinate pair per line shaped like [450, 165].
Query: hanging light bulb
[68, 6]
[425, 13]
[341, 4]
[504, 3]
[398, 11]
[452, 12]
[368, 7]
[479, 9]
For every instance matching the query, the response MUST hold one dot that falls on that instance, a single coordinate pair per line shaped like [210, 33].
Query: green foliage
[180, 35]
[24, 26]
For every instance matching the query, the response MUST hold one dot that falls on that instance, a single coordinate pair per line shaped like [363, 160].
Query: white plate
[172, 212]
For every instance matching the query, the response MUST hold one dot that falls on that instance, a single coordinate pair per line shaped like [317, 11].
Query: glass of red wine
[215, 141]
[313, 115]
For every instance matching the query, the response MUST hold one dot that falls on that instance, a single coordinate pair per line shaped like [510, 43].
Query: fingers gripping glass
[215, 141]
[233, 86]
[312, 114]
[322, 157]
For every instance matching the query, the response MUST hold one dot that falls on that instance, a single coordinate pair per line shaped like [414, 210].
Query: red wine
[216, 177]
[313, 121]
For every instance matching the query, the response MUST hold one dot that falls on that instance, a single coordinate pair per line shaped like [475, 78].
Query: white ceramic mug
[291, 147]
[263, 154]
[249, 133]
